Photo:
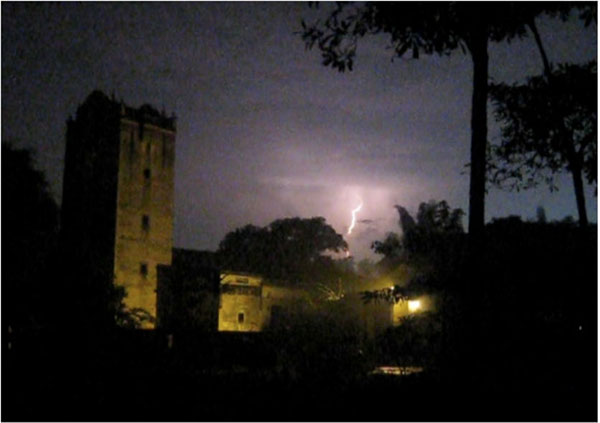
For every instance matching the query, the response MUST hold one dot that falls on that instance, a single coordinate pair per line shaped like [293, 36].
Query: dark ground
[134, 376]
[529, 354]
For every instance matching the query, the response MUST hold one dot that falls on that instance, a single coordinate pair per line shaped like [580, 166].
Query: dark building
[188, 291]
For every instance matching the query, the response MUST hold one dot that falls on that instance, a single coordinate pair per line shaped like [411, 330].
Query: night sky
[265, 131]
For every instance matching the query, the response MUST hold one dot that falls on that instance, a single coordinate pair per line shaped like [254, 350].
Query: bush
[415, 342]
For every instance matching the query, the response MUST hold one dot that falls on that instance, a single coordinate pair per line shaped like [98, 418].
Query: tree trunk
[479, 53]
[538, 41]
[579, 195]
[575, 164]
[473, 344]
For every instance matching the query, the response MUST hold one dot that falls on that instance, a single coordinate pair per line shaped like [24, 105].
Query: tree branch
[538, 40]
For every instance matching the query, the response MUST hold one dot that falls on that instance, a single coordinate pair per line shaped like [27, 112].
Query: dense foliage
[433, 246]
[294, 250]
[434, 28]
[124, 317]
[549, 125]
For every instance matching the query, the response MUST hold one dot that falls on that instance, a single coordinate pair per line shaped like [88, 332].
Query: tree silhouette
[124, 317]
[29, 241]
[434, 28]
[549, 124]
[291, 249]
[433, 246]
[540, 213]
[391, 247]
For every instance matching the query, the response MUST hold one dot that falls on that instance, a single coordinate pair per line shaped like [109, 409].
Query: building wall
[246, 303]
[288, 300]
[187, 295]
[118, 169]
[144, 226]
[240, 303]
[88, 210]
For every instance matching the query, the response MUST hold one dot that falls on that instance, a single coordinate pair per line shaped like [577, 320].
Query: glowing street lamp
[414, 306]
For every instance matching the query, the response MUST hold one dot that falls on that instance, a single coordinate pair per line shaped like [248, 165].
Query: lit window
[240, 317]
[143, 269]
[145, 222]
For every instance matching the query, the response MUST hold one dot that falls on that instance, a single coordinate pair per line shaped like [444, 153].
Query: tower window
[147, 175]
[240, 317]
[145, 222]
[144, 269]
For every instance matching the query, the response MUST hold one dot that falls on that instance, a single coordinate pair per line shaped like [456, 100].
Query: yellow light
[414, 305]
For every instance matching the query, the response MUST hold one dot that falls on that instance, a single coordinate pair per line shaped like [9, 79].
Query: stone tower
[117, 212]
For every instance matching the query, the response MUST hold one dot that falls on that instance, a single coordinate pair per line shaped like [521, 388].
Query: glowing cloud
[353, 223]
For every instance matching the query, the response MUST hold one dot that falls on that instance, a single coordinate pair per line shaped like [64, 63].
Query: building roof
[144, 114]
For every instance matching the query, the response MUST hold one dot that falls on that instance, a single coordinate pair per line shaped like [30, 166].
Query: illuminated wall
[246, 304]
[240, 303]
[117, 210]
[144, 235]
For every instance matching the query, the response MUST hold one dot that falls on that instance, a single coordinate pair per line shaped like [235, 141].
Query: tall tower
[117, 212]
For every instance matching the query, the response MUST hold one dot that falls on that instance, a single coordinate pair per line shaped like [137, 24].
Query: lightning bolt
[356, 210]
